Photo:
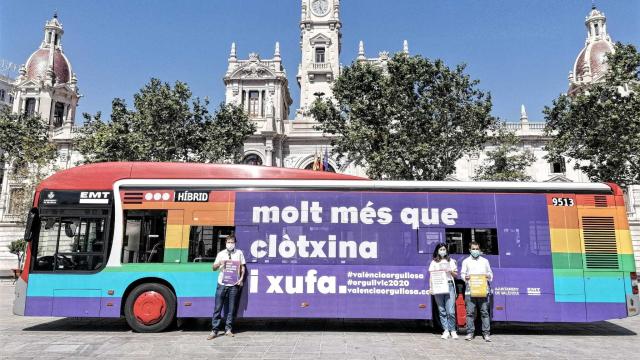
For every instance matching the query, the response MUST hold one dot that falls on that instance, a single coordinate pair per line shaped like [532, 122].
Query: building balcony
[319, 68]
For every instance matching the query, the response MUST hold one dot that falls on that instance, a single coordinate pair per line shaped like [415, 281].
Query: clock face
[320, 7]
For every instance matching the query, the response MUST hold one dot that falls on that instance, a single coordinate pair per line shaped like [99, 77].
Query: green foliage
[165, 125]
[25, 146]
[506, 162]
[412, 121]
[18, 248]
[24, 140]
[600, 127]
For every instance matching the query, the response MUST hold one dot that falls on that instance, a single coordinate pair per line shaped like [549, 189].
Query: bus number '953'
[562, 201]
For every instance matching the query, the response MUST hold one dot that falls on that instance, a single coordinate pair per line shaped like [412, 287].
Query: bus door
[603, 278]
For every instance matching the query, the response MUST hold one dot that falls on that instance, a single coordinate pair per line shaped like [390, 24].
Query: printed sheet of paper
[478, 285]
[439, 282]
[231, 272]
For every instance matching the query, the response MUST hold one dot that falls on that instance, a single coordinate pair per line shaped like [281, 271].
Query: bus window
[144, 236]
[70, 243]
[206, 241]
[459, 239]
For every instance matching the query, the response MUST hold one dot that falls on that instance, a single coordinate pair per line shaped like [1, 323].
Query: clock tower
[320, 42]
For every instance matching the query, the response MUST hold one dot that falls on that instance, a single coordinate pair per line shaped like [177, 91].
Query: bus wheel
[150, 308]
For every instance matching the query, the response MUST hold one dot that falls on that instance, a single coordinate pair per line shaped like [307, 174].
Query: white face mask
[231, 247]
[442, 252]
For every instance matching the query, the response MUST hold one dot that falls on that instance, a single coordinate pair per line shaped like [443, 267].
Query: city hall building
[286, 134]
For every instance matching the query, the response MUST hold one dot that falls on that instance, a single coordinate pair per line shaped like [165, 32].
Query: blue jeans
[225, 298]
[483, 304]
[446, 308]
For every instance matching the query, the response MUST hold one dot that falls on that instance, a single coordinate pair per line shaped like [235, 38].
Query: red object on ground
[461, 311]
[149, 307]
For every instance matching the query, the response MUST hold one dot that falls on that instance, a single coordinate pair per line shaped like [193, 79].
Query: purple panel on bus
[365, 255]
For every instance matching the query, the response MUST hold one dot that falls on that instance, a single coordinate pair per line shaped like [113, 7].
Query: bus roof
[102, 176]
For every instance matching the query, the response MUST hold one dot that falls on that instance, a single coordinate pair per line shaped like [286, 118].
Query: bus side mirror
[32, 223]
[70, 230]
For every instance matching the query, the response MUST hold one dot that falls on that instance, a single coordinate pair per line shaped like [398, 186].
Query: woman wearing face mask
[446, 302]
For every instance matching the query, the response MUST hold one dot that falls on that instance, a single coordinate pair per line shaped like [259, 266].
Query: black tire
[168, 318]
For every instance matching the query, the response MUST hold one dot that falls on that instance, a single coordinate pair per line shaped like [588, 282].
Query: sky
[521, 51]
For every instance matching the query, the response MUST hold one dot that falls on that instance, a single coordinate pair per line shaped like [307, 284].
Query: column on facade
[268, 152]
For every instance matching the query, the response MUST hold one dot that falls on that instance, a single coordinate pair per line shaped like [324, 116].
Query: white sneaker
[445, 335]
[454, 335]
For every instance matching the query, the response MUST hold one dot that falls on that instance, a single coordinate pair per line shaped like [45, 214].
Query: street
[70, 338]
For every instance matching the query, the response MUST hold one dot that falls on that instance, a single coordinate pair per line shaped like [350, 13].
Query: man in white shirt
[476, 265]
[231, 264]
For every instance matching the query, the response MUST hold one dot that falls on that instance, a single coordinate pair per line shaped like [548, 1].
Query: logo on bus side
[192, 196]
[94, 197]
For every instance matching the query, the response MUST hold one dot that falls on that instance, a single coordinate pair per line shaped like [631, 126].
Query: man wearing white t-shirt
[476, 265]
[231, 264]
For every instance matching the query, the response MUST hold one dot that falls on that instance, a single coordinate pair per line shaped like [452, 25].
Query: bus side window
[206, 241]
[144, 236]
[459, 240]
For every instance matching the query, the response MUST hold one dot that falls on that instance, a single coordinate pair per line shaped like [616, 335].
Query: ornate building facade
[46, 86]
[294, 143]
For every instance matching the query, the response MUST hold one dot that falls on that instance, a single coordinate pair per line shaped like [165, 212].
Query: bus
[136, 240]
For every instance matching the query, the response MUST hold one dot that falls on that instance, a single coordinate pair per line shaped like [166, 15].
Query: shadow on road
[602, 328]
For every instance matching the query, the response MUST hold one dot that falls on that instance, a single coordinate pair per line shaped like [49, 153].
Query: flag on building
[325, 160]
[317, 165]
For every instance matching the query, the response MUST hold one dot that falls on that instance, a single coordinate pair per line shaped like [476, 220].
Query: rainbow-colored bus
[137, 240]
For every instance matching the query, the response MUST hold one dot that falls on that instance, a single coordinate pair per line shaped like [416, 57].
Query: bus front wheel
[150, 308]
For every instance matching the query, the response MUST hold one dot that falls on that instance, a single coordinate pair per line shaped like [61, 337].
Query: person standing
[476, 265]
[231, 264]
[445, 302]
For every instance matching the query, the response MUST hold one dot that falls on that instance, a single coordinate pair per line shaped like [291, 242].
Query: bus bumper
[20, 297]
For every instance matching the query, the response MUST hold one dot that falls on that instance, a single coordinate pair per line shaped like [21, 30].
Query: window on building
[30, 107]
[597, 29]
[2, 94]
[254, 103]
[58, 114]
[10, 99]
[558, 166]
[320, 55]
[252, 159]
[459, 239]
[205, 242]
[16, 201]
[144, 236]
[310, 167]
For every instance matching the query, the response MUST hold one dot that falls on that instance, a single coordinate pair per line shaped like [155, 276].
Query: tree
[18, 247]
[24, 140]
[410, 120]
[506, 162]
[165, 125]
[600, 127]
[26, 149]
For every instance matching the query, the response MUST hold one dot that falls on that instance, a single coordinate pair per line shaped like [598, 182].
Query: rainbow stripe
[572, 281]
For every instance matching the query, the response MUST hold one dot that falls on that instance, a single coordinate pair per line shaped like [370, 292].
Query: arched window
[310, 167]
[252, 159]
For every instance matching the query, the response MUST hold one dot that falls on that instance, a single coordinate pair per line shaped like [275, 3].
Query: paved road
[55, 338]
